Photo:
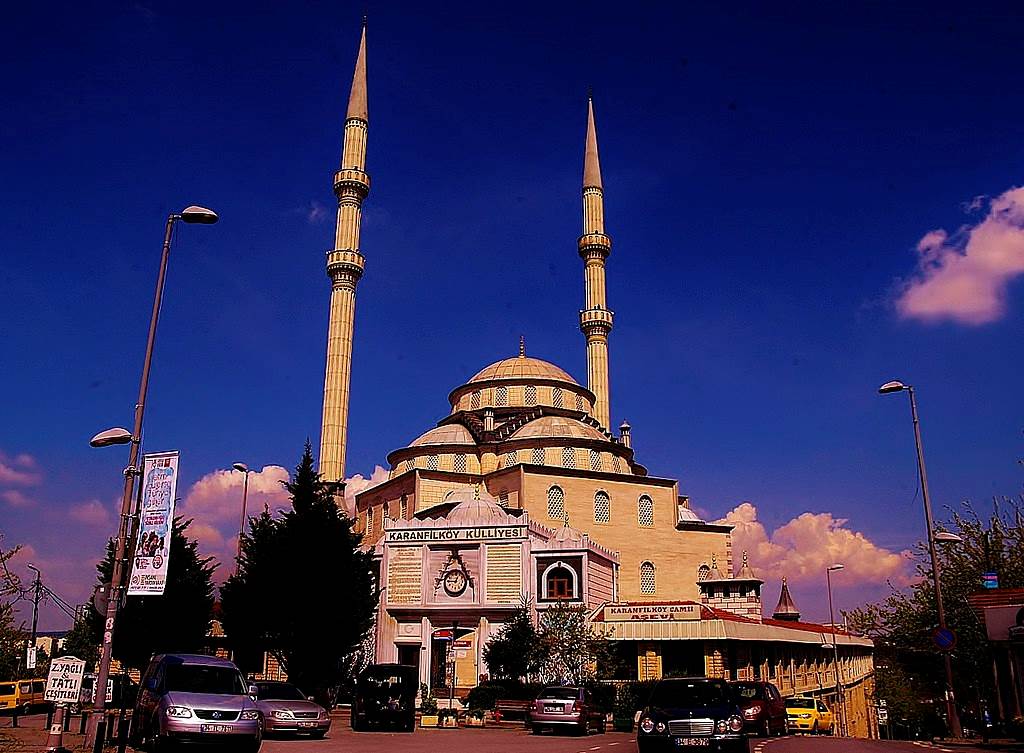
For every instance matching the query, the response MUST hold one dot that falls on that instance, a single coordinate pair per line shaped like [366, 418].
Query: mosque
[523, 491]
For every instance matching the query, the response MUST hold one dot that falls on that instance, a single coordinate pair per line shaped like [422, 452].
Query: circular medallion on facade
[455, 582]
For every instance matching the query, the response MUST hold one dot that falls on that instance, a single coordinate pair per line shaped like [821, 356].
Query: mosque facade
[524, 491]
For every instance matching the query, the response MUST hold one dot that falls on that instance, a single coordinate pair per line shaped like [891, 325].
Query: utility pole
[35, 617]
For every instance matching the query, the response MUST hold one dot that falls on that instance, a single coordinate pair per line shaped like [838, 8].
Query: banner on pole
[156, 518]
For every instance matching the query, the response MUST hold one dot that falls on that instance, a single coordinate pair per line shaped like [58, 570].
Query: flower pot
[474, 721]
[449, 721]
[429, 720]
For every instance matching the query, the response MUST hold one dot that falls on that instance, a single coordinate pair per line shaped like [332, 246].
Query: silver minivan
[195, 699]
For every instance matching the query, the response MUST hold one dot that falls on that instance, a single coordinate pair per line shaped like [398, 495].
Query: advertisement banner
[153, 547]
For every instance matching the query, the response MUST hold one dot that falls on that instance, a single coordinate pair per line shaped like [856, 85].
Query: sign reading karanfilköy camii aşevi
[159, 483]
[651, 612]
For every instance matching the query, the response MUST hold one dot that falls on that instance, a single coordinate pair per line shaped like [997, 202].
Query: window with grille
[433, 462]
[403, 507]
[503, 498]
[556, 503]
[569, 457]
[474, 399]
[579, 403]
[616, 464]
[530, 395]
[645, 511]
[508, 460]
[501, 397]
[595, 460]
[537, 455]
[703, 572]
[459, 463]
[369, 521]
[602, 507]
[556, 397]
[647, 582]
[410, 464]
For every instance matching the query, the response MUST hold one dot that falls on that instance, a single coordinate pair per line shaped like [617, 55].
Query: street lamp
[35, 615]
[193, 215]
[886, 389]
[835, 649]
[945, 537]
[241, 468]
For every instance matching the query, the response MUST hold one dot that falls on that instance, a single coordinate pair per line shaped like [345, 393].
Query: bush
[428, 704]
[486, 695]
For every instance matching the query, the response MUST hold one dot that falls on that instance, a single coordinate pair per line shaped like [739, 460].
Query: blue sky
[769, 174]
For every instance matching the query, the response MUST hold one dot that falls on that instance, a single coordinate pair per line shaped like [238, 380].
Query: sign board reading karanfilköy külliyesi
[149, 565]
[64, 683]
[480, 533]
[651, 612]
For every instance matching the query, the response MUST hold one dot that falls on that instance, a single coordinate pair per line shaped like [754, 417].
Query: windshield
[684, 694]
[278, 691]
[561, 694]
[800, 703]
[751, 692]
[200, 678]
[6, 688]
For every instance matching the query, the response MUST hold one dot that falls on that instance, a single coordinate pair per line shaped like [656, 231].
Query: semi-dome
[475, 507]
[522, 367]
[446, 434]
[558, 426]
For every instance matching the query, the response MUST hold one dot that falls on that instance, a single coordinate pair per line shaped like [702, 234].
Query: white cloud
[358, 484]
[20, 470]
[965, 277]
[91, 513]
[803, 547]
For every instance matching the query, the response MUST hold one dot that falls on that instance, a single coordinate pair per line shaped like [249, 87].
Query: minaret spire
[345, 264]
[594, 247]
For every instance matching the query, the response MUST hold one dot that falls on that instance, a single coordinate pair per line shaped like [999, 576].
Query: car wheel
[814, 729]
[536, 729]
[162, 745]
[603, 726]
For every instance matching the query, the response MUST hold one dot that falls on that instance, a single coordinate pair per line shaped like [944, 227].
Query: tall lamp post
[241, 468]
[193, 215]
[35, 616]
[835, 649]
[888, 388]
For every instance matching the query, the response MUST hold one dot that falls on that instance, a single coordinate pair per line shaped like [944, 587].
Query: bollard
[55, 741]
[49, 716]
[111, 727]
[14, 718]
[81, 721]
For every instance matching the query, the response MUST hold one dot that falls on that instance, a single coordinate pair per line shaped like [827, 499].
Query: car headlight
[722, 726]
[179, 712]
[647, 725]
[805, 716]
[659, 727]
[735, 724]
[283, 714]
[252, 714]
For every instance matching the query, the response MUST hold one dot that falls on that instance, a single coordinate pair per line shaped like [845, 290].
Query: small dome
[475, 507]
[522, 367]
[447, 434]
[568, 535]
[686, 515]
[558, 426]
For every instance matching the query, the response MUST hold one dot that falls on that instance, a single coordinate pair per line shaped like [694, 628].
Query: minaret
[345, 266]
[594, 246]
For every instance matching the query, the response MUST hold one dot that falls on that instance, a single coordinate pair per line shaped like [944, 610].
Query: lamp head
[117, 435]
[833, 568]
[241, 467]
[32, 567]
[894, 386]
[946, 537]
[196, 215]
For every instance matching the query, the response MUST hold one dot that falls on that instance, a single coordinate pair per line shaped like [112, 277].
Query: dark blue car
[692, 712]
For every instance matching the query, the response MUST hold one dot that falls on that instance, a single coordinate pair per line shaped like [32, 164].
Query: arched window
[433, 462]
[459, 463]
[556, 503]
[508, 460]
[560, 582]
[579, 403]
[474, 399]
[403, 507]
[501, 397]
[703, 572]
[556, 397]
[537, 456]
[616, 464]
[569, 457]
[602, 507]
[530, 395]
[595, 460]
[647, 582]
[645, 511]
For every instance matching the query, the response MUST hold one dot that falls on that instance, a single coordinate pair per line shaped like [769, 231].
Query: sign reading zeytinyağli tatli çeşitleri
[64, 682]
[152, 551]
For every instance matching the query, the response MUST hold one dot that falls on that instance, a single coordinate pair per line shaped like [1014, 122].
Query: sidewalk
[31, 735]
[994, 744]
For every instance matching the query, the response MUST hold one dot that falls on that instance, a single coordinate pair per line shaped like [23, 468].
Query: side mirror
[253, 691]
[311, 698]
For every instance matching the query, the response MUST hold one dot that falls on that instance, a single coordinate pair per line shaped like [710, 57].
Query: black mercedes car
[386, 697]
[692, 712]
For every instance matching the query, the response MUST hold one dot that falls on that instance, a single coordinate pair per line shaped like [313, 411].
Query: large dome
[557, 426]
[522, 367]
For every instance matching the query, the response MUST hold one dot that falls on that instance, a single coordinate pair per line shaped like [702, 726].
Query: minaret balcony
[594, 244]
[351, 179]
[597, 319]
[345, 262]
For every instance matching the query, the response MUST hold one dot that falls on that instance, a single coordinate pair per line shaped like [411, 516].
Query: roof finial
[591, 162]
[364, 19]
[522, 346]
[590, 92]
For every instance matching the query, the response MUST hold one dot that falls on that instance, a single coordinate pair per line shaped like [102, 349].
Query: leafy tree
[176, 621]
[515, 652]
[12, 636]
[902, 624]
[304, 590]
[81, 643]
[571, 650]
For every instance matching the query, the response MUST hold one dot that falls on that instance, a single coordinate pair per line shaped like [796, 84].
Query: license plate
[219, 728]
[553, 709]
[693, 742]
[307, 724]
